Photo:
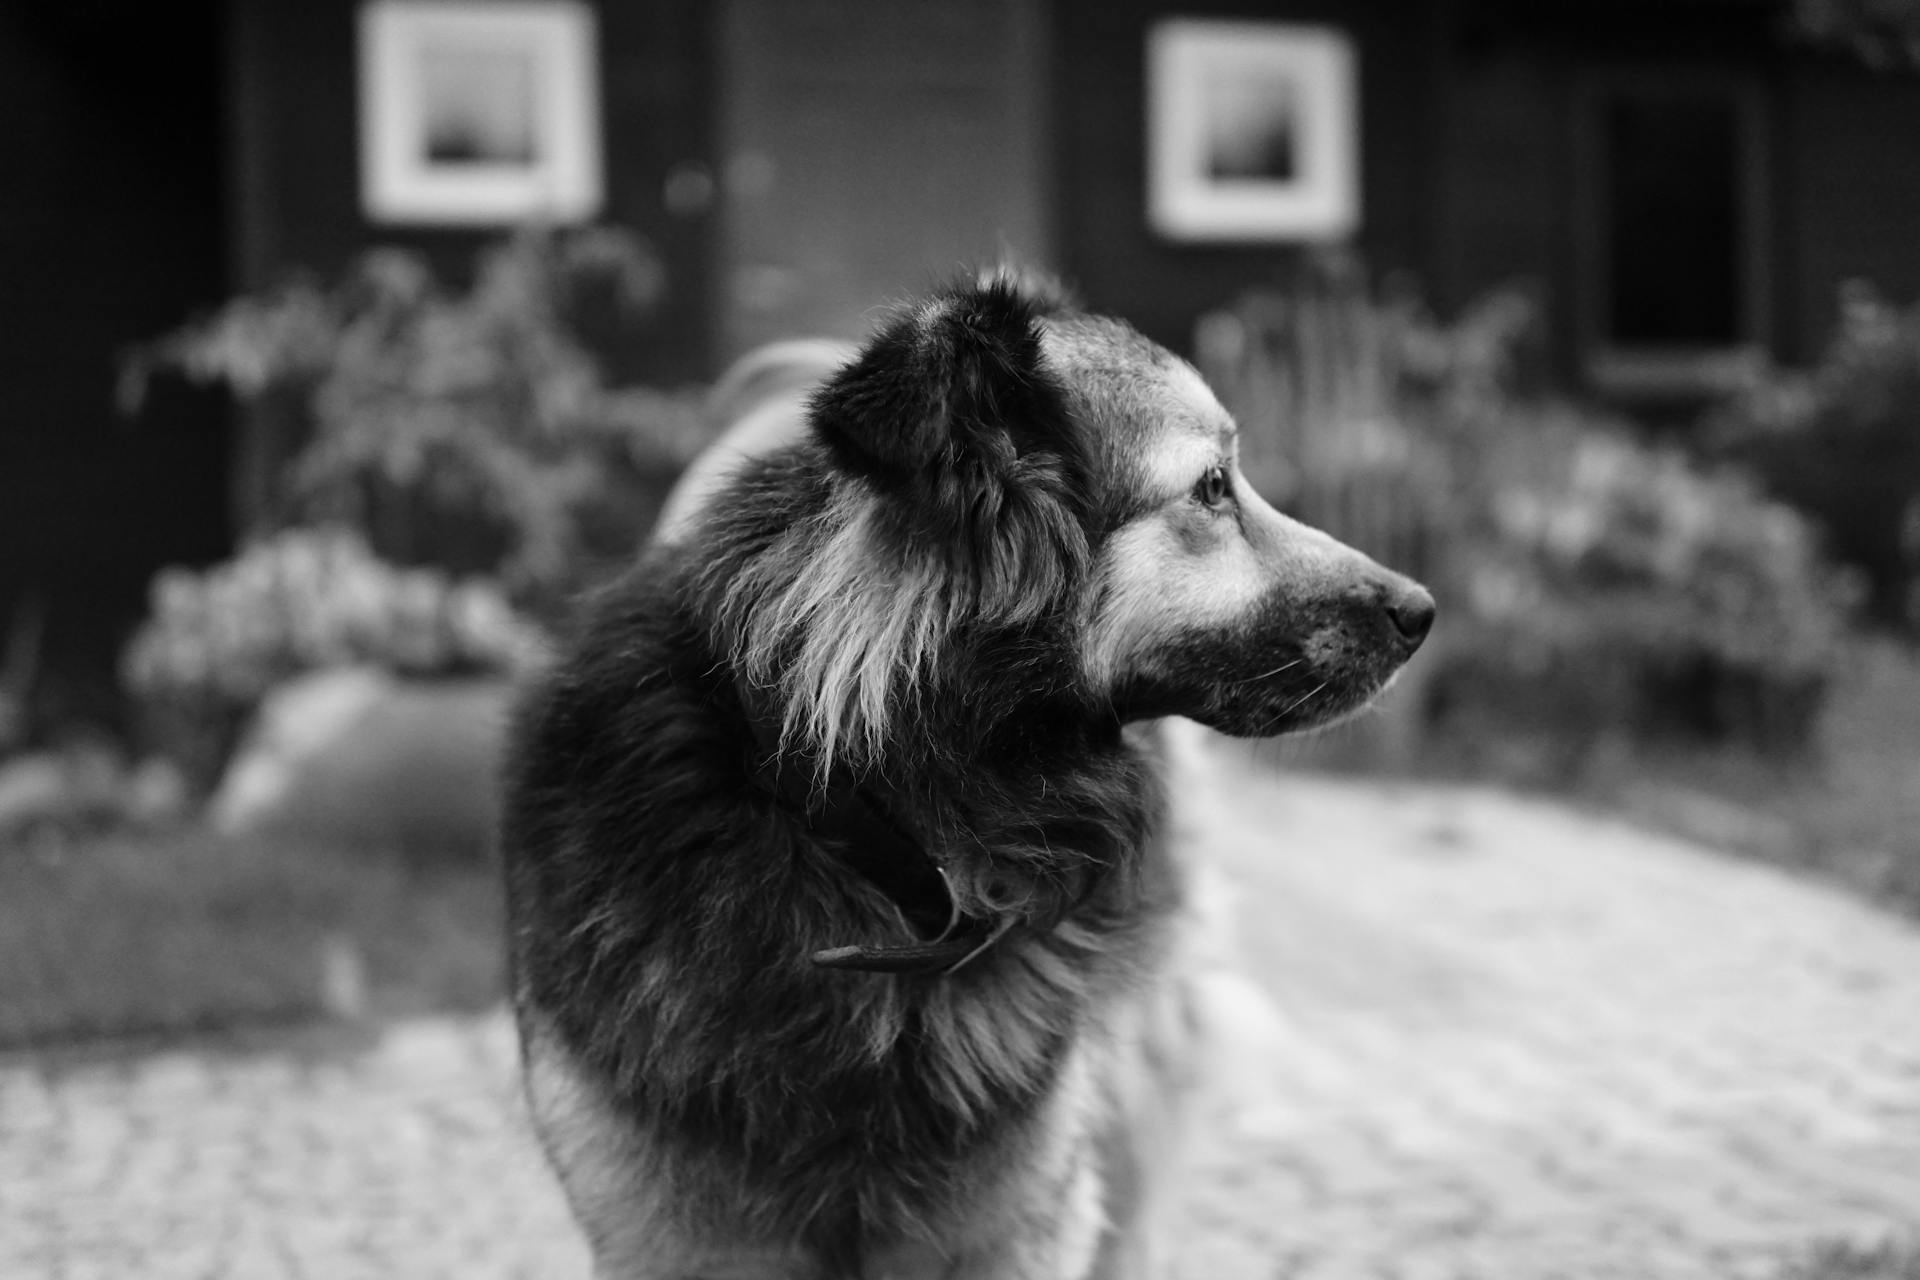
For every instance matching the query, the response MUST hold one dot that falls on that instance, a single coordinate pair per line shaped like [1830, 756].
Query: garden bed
[1847, 809]
[1845, 806]
[1847, 1260]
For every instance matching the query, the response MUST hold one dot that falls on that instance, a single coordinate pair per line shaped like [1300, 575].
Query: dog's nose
[1412, 613]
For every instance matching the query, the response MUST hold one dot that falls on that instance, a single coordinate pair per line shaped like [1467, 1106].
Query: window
[479, 112]
[1674, 283]
[1253, 131]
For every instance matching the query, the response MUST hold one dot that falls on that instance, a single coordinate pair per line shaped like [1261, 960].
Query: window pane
[1673, 219]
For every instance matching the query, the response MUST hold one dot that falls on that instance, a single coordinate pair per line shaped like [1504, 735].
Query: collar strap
[876, 847]
[944, 955]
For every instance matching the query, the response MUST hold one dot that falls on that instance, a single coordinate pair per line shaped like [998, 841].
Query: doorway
[111, 232]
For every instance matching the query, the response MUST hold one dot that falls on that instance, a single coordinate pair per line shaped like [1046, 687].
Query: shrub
[1591, 583]
[470, 429]
[437, 462]
[1842, 443]
[1656, 595]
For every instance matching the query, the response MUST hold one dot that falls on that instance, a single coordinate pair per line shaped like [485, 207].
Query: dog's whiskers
[1304, 698]
[1285, 666]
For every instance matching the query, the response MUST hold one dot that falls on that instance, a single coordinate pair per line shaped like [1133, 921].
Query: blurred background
[346, 341]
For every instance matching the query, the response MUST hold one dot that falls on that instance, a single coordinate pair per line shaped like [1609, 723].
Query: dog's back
[759, 404]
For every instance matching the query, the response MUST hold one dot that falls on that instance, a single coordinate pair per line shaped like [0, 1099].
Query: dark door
[110, 233]
[870, 151]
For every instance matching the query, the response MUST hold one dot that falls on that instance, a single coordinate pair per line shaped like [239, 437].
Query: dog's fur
[1001, 532]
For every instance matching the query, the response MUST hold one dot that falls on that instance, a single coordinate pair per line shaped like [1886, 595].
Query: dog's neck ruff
[887, 856]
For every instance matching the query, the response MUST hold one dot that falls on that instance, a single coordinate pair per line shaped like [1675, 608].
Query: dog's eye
[1214, 488]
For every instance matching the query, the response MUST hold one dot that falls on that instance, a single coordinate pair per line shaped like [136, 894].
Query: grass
[126, 935]
[1841, 1260]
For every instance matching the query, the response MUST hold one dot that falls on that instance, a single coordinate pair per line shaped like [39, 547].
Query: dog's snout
[1411, 609]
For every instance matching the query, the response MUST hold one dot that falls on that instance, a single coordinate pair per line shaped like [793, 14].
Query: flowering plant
[304, 599]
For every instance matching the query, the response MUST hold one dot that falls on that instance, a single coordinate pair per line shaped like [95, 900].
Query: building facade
[1681, 185]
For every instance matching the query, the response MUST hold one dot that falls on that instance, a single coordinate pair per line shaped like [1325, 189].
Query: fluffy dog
[845, 943]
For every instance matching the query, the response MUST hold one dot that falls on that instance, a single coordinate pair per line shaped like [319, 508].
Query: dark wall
[110, 233]
[1103, 240]
[1850, 146]
[1840, 187]
[298, 161]
[1501, 203]
[1519, 201]
[1474, 132]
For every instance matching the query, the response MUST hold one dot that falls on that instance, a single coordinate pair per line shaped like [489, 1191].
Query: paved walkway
[1517, 1044]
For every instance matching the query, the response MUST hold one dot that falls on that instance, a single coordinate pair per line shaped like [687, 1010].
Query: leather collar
[878, 848]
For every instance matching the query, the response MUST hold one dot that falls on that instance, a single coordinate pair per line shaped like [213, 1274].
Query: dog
[847, 941]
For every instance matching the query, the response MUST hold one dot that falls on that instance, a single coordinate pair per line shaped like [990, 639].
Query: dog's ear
[956, 382]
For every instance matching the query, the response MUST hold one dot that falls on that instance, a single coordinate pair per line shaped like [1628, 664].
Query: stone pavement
[1515, 1043]
[1520, 1043]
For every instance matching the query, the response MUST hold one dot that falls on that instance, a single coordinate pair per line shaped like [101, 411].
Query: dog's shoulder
[617, 682]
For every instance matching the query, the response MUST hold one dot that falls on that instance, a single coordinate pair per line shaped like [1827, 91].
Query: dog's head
[1013, 485]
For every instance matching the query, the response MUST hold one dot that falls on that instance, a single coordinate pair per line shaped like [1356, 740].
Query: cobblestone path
[1521, 1044]
[1515, 1044]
